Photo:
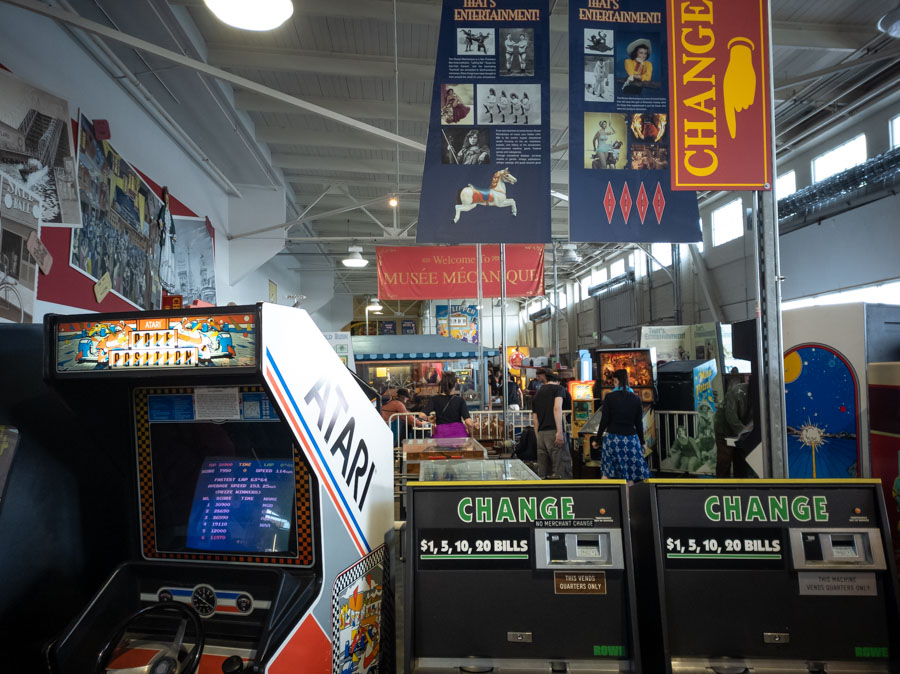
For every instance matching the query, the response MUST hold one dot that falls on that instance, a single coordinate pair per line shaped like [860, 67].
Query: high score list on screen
[242, 505]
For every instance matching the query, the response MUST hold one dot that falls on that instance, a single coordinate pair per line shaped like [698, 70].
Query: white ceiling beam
[306, 183]
[335, 63]
[302, 161]
[302, 136]
[828, 36]
[252, 102]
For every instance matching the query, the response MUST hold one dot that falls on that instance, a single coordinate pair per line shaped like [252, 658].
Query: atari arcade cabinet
[765, 576]
[519, 578]
[260, 482]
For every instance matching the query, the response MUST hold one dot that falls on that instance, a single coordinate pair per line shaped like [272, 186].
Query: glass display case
[475, 470]
[422, 377]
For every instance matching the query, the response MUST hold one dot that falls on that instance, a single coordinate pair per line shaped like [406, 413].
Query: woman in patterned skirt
[623, 442]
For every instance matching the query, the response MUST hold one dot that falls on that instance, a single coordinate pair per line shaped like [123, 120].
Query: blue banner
[487, 163]
[619, 185]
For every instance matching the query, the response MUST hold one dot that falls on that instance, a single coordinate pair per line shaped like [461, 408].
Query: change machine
[741, 576]
[261, 487]
[519, 577]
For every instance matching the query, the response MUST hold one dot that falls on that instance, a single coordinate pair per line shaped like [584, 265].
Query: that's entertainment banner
[439, 272]
[719, 78]
[619, 150]
[487, 162]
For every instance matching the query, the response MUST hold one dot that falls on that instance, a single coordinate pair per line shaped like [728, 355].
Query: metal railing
[668, 423]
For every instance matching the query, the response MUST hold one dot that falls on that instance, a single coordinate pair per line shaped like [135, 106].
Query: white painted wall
[39, 51]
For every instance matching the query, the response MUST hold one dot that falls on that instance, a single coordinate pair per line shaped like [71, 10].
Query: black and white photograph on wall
[119, 234]
[599, 42]
[20, 211]
[475, 42]
[457, 104]
[516, 52]
[36, 149]
[647, 156]
[509, 104]
[467, 146]
[599, 82]
[195, 262]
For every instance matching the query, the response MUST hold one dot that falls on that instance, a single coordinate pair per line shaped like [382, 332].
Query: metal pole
[503, 337]
[770, 345]
[555, 308]
[482, 368]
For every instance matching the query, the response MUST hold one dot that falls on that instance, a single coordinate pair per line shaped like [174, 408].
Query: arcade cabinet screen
[224, 487]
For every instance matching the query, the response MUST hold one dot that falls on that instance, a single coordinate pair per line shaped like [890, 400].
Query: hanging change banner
[719, 78]
[487, 162]
[619, 184]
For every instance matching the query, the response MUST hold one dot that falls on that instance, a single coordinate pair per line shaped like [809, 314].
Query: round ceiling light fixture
[355, 258]
[890, 22]
[374, 305]
[258, 15]
[393, 202]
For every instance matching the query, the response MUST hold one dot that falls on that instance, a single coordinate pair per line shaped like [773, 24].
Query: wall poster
[36, 149]
[120, 235]
[195, 261]
[487, 169]
[619, 185]
[459, 322]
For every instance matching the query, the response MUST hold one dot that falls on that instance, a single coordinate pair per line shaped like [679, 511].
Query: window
[895, 132]
[617, 268]
[585, 286]
[563, 301]
[663, 253]
[598, 276]
[786, 185]
[728, 222]
[839, 159]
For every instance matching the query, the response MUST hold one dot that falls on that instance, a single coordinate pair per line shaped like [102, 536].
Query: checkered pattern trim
[302, 482]
[375, 559]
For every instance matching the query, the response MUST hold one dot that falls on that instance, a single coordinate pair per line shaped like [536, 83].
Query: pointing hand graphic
[739, 86]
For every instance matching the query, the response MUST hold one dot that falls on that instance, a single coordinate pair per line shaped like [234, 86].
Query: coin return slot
[574, 549]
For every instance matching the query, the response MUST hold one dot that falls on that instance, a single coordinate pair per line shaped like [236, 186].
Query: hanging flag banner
[439, 272]
[719, 79]
[487, 161]
[619, 147]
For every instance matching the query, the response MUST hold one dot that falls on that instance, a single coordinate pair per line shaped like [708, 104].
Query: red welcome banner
[719, 84]
[439, 272]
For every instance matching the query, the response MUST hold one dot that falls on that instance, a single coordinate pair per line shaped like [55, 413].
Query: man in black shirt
[552, 449]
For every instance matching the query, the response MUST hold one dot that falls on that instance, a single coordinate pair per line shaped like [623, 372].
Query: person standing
[731, 420]
[449, 412]
[166, 226]
[622, 430]
[552, 451]
[513, 392]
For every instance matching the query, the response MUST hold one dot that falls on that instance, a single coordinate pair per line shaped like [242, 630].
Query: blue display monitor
[243, 505]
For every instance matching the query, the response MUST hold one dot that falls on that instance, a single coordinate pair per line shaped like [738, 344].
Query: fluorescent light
[257, 15]
[355, 258]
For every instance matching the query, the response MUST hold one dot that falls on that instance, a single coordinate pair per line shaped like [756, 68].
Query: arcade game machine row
[765, 576]
[262, 487]
[641, 367]
[518, 577]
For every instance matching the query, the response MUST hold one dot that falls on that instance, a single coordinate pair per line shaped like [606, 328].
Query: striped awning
[414, 347]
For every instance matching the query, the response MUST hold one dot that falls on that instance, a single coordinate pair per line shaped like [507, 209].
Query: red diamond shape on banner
[625, 202]
[659, 203]
[642, 203]
[609, 202]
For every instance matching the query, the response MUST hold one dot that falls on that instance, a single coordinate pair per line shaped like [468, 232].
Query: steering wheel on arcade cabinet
[167, 660]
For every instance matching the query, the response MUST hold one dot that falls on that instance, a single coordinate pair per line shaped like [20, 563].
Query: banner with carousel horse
[619, 131]
[487, 163]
